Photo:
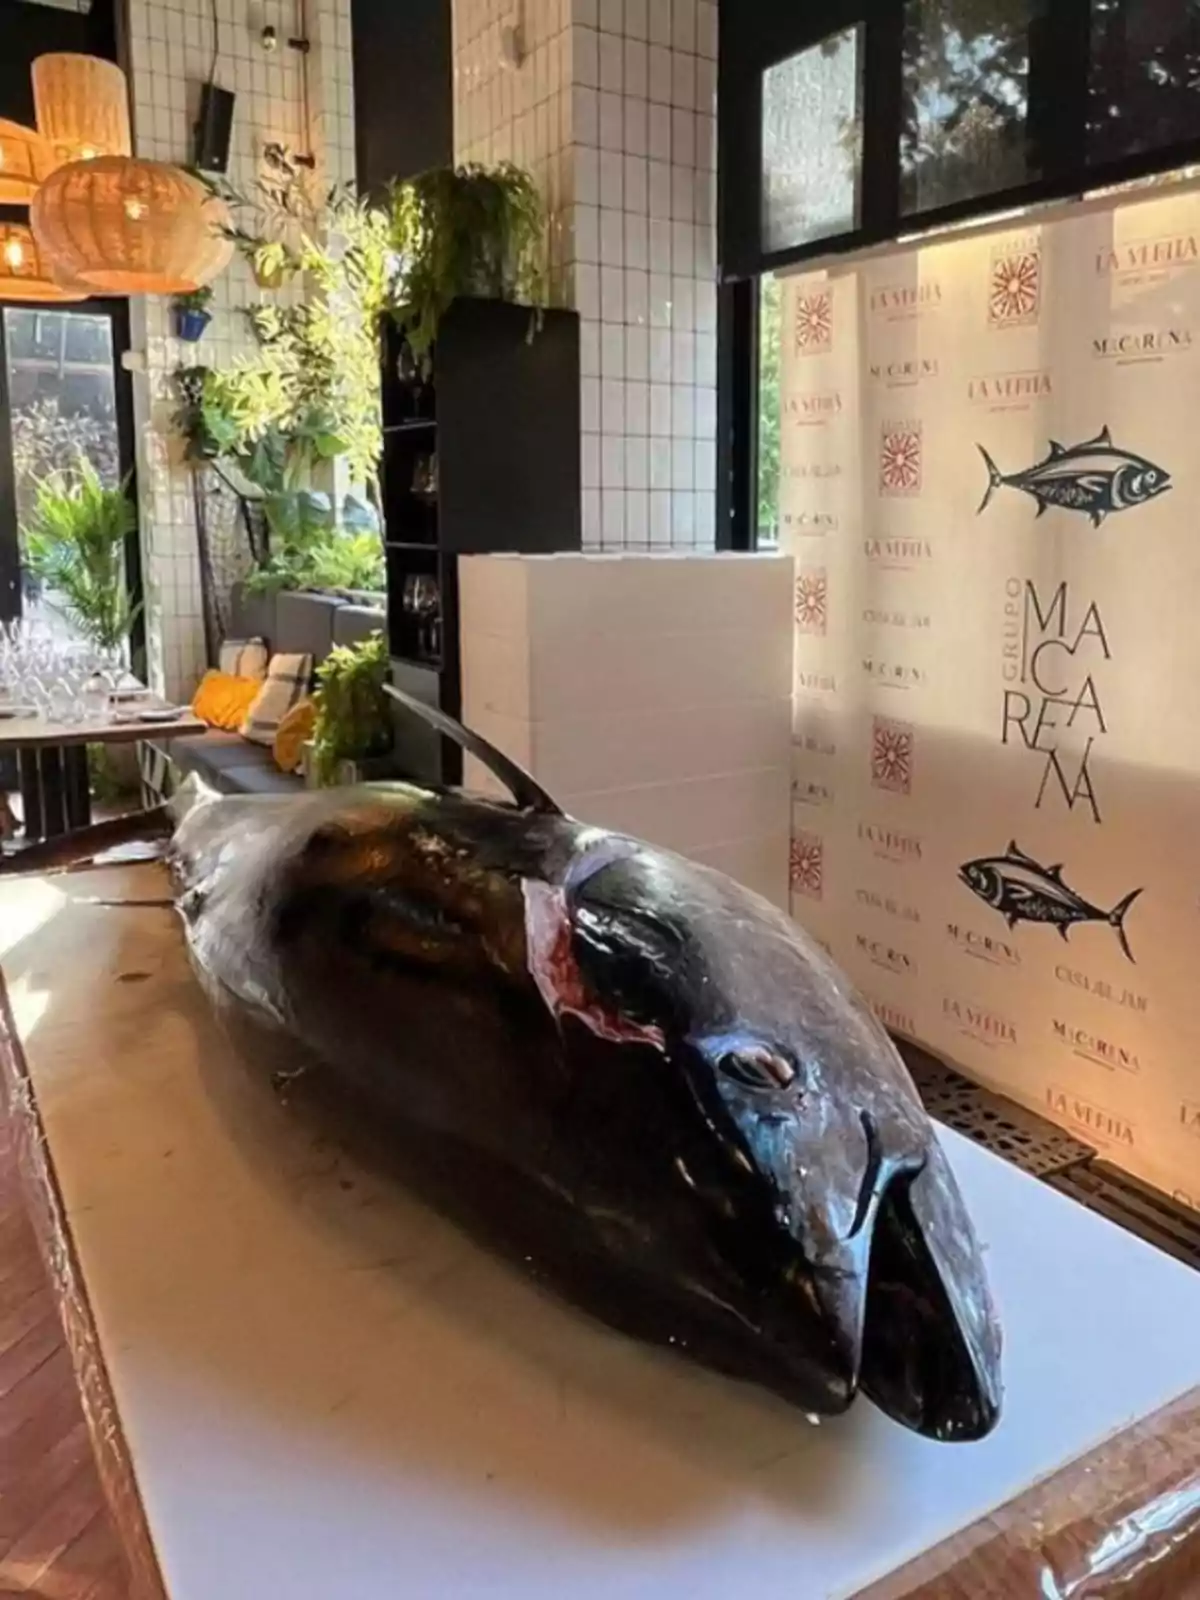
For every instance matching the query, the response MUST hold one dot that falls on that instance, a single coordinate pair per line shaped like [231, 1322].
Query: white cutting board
[330, 1395]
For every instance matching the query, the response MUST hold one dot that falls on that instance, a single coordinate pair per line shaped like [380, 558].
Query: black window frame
[117, 311]
[757, 34]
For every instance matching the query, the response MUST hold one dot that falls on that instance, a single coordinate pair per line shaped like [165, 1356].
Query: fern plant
[468, 230]
[74, 542]
[353, 715]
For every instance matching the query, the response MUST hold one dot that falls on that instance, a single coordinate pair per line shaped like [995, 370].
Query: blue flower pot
[190, 325]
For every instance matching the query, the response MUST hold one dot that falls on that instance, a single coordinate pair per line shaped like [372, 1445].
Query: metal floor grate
[1152, 1216]
[1045, 1151]
[1022, 1137]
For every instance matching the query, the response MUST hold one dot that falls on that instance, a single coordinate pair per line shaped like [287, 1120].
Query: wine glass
[427, 607]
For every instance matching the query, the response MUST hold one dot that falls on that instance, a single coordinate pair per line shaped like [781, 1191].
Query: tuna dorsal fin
[1054, 872]
[526, 791]
[1057, 449]
[1103, 437]
[1017, 854]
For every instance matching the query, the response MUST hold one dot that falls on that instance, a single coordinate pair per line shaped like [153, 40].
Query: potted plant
[353, 728]
[192, 315]
[465, 231]
[74, 542]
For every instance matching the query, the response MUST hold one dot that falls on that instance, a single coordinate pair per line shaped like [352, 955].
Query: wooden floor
[56, 1539]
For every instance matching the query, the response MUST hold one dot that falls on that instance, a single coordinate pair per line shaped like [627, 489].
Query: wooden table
[52, 759]
[304, 1385]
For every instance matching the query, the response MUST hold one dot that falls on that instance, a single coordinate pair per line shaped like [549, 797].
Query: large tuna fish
[692, 1124]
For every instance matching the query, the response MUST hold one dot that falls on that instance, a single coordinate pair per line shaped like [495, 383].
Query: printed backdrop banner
[990, 482]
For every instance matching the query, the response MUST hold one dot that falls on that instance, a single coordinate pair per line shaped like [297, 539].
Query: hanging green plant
[465, 231]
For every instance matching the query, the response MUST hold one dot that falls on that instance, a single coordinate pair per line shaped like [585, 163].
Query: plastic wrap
[1121, 1523]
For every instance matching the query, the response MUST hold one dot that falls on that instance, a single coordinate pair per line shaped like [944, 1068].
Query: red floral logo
[807, 865]
[812, 595]
[1015, 288]
[891, 755]
[900, 458]
[814, 323]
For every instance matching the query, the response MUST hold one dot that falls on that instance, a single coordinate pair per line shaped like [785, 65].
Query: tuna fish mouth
[918, 1365]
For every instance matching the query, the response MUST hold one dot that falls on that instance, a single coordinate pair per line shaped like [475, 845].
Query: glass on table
[96, 697]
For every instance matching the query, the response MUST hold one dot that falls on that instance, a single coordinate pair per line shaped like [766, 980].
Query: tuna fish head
[837, 1237]
[1138, 481]
[981, 879]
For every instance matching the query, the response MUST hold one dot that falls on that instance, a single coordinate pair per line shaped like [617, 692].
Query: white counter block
[648, 693]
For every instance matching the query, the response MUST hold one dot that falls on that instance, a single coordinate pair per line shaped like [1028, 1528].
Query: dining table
[51, 755]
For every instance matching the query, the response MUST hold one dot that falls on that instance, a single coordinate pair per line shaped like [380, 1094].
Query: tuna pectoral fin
[1117, 918]
[526, 791]
[931, 1345]
[73, 851]
[995, 478]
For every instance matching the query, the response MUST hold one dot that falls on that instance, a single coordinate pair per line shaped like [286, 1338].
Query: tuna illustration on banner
[1022, 890]
[1095, 477]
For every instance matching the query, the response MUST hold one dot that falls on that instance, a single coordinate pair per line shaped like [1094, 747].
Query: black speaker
[214, 129]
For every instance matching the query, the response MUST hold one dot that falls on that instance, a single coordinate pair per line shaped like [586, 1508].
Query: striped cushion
[244, 658]
[286, 685]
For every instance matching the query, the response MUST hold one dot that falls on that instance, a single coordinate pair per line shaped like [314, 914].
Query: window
[1144, 81]
[965, 101]
[812, 143]
[769, 309]
[58, 402]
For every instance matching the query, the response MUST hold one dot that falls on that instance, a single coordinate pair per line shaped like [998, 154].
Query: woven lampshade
[122, 226]
[82, 106]
[25, 159]
[26, 274]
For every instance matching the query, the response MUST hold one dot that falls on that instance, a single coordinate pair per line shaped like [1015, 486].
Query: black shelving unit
[479, 458]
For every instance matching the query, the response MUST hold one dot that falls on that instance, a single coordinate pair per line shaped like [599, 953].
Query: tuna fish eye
[757, 1067]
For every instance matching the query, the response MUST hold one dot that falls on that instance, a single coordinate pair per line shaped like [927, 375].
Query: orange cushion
[223, 700]
[292, 735]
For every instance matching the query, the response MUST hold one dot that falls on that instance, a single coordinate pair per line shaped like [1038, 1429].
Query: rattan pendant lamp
[27, 274]
[125, 226]
[116, 224]
[25, 160]
[82, 107]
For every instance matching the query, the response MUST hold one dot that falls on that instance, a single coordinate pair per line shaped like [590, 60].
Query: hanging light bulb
[26, 273]
[25, 159]
[123, 226]
[82, 106]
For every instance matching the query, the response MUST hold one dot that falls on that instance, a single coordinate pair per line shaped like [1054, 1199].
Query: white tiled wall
[170, 44]
[613, 110]
[648, 693]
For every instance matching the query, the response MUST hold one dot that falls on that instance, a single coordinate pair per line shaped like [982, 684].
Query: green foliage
[353, 714]
[351, 561]
[468, 230]
[323, 556]
[112, 777]
[74, 541]
[770, 338]
[317, 367]
[46, 439]
[195, 299]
